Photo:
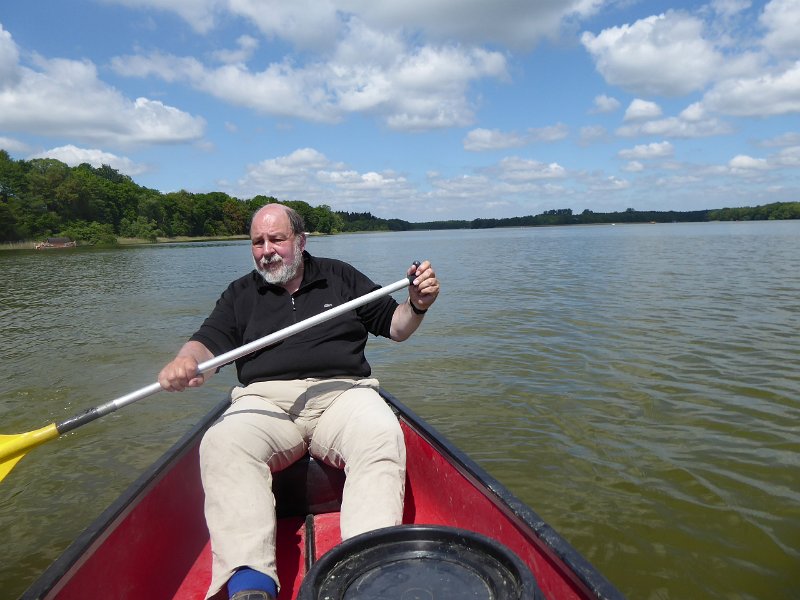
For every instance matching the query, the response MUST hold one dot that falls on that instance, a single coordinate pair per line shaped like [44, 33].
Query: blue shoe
[252, 595]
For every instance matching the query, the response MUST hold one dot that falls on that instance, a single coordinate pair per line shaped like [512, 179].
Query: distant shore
[124, 241]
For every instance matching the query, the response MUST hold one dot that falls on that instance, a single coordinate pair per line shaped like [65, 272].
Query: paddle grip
[411, 278]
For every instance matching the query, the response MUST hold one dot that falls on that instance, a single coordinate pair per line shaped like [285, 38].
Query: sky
[420, 110]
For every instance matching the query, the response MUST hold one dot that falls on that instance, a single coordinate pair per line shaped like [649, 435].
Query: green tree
[12, 177]
[235, 216]
[142, 227]
[100, 234]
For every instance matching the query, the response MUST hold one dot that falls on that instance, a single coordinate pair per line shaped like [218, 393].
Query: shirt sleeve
[219, 332]
[376, 315]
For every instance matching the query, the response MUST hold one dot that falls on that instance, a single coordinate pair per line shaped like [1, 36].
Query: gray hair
[296, 221]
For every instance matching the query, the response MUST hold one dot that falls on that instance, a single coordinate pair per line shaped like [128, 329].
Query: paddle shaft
[228, 357]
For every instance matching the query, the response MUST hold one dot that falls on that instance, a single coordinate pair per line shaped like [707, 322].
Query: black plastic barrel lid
[419, 562]
[429, 578]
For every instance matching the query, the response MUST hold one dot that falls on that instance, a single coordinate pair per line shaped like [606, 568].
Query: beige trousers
[270, 425]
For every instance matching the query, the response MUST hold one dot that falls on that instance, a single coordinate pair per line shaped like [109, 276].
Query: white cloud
[307, 174]
[481, 139]
[592, 133]
[519, 169]
[462, 186]
[514, 23]
[429, 87]
[307, 24]
[695, 112]
[728, 8]
[280, 89]
[676, 127]
[790, 138]
[605, 104]
[672, 54]
[316, 24]
[639, 110]
[633, 166]
[743, 162]
[303, 159]
[553, 133]
[513, 186]
[11, 145]
[788, 157]
[609, 183]
[247, 45]
[648, 151]
[418, 65]
[410, 88]
[680, 182]
[660, 55]
[769, 94]
[9, 60]
[60, 97]
[200, 14]
[781, 18]
[369, 183]
[74, 156]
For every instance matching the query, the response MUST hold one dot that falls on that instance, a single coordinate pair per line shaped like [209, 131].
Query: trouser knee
[385, 444]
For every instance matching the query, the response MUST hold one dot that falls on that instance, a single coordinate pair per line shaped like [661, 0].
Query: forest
[44, 197]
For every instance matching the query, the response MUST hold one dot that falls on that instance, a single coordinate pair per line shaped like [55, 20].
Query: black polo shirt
[250, 308]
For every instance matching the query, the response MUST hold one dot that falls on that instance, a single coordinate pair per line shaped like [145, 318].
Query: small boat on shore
[55, 243]
[464, 535]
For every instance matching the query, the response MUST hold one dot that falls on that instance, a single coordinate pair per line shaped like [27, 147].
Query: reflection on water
[637, 385]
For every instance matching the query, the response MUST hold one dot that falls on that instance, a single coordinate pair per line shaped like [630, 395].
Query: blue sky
[416, 109]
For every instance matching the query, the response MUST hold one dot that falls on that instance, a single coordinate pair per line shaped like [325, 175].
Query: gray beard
[285, 273]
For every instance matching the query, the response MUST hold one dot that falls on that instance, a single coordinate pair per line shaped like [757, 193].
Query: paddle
[14, 447]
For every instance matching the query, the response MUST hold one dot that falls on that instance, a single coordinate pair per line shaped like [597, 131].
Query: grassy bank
[223, 238]
[25, 245]
[125, 241]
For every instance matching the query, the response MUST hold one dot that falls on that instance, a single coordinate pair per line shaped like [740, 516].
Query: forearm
[196, 350]
[404, 322]
[422, 293]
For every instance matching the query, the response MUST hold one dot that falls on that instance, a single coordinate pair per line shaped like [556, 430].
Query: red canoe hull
[153, 543]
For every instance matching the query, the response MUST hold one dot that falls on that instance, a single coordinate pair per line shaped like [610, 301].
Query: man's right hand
[181, 372]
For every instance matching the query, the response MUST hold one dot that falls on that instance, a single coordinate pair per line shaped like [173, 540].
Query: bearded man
[309, 393]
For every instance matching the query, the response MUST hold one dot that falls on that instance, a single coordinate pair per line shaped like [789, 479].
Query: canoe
[461, 528]
[55, 244]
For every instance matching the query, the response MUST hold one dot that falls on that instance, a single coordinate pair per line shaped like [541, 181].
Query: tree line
[44, 197]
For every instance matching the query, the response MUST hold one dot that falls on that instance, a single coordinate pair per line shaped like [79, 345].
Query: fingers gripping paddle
[14, 447]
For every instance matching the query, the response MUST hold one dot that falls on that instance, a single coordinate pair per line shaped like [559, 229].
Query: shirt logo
[327, 305]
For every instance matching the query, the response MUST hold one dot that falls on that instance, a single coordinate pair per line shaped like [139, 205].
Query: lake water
[638, 386]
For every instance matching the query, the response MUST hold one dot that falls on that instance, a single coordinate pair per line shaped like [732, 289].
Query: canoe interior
[153, 542]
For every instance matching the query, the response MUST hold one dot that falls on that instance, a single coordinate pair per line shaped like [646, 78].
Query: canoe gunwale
[548, 540]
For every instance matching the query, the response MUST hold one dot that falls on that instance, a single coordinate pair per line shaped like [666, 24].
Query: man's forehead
[271, 220]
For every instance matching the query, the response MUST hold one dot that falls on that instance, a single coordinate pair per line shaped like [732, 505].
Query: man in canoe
[311, 393]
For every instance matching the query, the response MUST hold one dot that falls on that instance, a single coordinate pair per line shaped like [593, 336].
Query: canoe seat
[308, 487]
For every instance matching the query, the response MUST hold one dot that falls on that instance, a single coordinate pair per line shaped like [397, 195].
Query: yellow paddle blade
[14, 447]
[7, 465]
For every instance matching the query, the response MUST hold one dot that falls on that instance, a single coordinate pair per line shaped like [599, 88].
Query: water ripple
[638, 386]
